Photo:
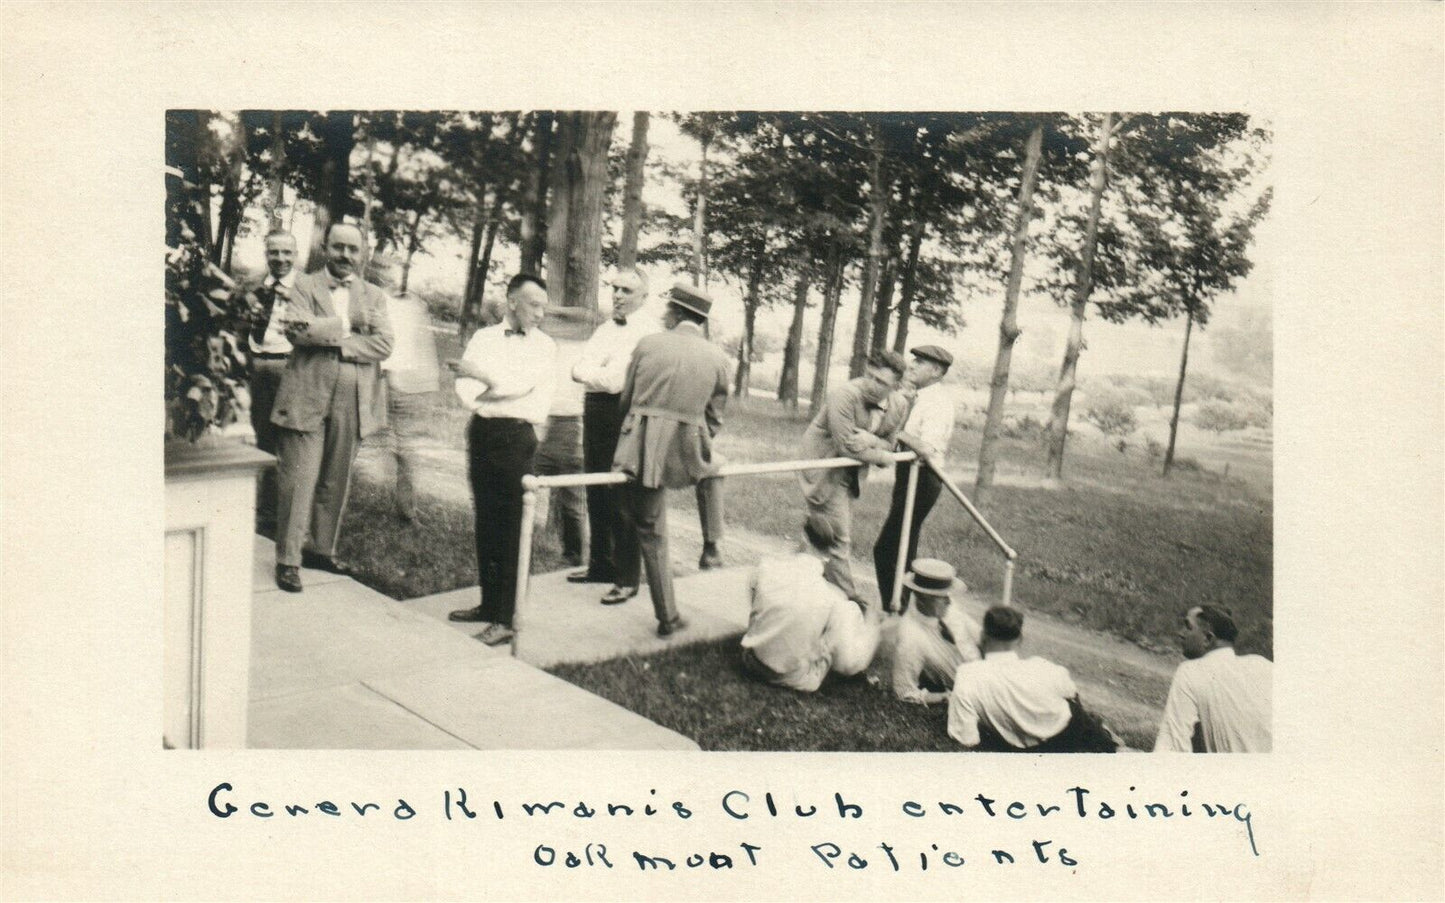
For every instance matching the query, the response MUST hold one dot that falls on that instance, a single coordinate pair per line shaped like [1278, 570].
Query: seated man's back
[791, 604]
[1024, 700]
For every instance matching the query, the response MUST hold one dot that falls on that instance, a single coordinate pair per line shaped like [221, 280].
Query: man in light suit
[672, 402]
[331, 397]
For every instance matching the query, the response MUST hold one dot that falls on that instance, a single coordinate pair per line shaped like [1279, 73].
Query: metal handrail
[531, 483]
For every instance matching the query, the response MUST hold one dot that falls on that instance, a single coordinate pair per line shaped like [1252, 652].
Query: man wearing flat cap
[672, 404]
[859, 419]
[934, 635]
[929, 427]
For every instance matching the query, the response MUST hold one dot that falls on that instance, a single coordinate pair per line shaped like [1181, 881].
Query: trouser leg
[265, 381]
[649, 513]
[342, 434]
[601, 421]
[710, 509]
[885, 547]
[298, 465]
[561, 453]
[406, 415]
[924, 498]
[500, 453]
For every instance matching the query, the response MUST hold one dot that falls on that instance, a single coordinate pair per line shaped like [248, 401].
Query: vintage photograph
[723, 430]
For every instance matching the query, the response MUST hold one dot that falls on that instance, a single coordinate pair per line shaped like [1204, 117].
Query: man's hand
[465, 368]
[294, 326]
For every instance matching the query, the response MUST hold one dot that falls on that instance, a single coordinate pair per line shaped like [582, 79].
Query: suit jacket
[832, 435]
[306, 387]
[672, 404]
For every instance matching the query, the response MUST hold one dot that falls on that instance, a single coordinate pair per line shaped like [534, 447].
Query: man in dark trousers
[330, 399]
[269, 350]
[505, 377]
[927, 432]
[672, 402]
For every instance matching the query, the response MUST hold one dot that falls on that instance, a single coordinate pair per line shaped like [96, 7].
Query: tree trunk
[479, 228]
[910, 286]
[584, 217]
[792, 351]
[338, 138]
[278, 162]
[832, 291]
[1068, 372]
[534, 197]
[1179, 391]
[1008, 328]
[699, 223]
[632, 194]
[750, 318]
[412, 244]
[883, 307]
[565, 171]
[878, 213]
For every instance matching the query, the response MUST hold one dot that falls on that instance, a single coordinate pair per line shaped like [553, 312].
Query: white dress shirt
[801, 626]
[517, 364]
[275, 341]
[1227, 695]
[1025, 699]
[341, 302]
[566, 395]
[923, 650]
[932, 420]
[602, 366]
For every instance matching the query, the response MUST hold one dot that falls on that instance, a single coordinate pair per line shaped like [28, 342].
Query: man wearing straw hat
[672, 403]
[934, 636]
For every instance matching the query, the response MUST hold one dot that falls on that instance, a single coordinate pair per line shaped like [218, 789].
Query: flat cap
[690, 297]
[890, 359]
[933, 353]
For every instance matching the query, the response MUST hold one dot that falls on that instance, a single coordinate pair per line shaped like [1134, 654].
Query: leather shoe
[587, 577]
[668, 628]
[288, 577]
[318, 562]
[619, 594]
[496, 634]
[710, 559]
[470, 615]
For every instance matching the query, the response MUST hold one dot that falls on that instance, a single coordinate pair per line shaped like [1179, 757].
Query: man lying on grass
[802, 624]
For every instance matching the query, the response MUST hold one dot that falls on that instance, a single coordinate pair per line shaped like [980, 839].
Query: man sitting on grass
[1219, 700]
[934, 636]
[802, 625]
[1004, 703]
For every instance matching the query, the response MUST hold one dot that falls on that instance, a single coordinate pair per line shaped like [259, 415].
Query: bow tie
[512, 332]
[340, 283]
[620, 321]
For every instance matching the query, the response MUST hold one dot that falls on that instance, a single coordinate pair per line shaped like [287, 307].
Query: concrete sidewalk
[341, 666]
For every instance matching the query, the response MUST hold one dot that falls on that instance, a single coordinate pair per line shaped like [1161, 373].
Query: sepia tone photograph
[723, 431]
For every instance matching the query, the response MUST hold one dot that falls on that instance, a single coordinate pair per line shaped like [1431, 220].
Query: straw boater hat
[690, 298]
[931, 577]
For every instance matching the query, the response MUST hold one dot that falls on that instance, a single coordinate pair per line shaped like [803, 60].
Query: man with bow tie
[269, 349]
[329, 399]
[506, 378]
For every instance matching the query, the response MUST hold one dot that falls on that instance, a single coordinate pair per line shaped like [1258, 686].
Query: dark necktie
[268, 304]
[947, 634]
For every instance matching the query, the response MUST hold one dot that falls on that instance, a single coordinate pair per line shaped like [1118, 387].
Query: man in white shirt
[601, 371]
[506, 378]
[927, 432]
[1003, 703]
[934, 636]
[802, 625]
[269, 349]
[1219, 701]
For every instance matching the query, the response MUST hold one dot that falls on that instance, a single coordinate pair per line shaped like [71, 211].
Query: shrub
[1112, 415]
[1025, 427]
[1220, 416]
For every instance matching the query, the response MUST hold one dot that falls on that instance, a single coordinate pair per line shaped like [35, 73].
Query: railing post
[895, 603]
[1008, 581]
[524, 554]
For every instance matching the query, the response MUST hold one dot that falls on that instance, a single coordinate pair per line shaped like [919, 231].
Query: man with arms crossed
[330, 398]
[506, 379]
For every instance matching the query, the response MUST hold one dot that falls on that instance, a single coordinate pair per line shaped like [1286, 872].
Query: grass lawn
[701, 692]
